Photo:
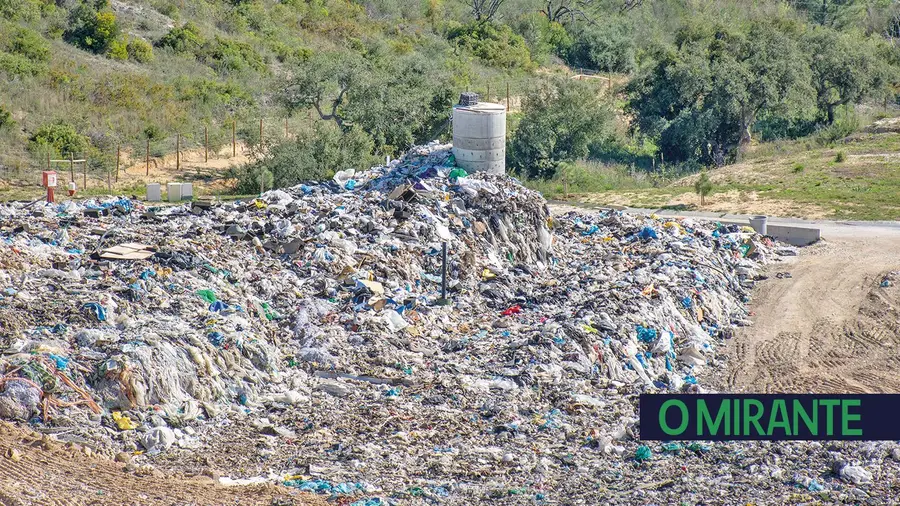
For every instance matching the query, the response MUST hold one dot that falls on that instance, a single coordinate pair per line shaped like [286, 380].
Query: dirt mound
[35, 469]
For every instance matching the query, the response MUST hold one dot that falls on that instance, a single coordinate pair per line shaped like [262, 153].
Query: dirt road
[829, 328]
[47, 473]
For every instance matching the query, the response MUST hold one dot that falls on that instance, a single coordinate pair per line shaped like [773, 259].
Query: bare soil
[36, 470]
[829, 328]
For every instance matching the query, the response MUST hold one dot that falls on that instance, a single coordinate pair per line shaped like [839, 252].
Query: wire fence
[136, 160]
[197, 152]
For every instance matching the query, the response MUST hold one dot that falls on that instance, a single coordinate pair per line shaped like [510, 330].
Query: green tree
[609, 47]
[701, 99]
[398, 101]
[560, 119]
[494, 43]
[703, 186]
[844, 69]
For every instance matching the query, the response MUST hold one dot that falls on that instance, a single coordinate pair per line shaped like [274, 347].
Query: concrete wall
[795, 236]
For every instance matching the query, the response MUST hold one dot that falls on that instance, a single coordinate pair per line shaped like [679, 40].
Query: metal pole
[444, 270]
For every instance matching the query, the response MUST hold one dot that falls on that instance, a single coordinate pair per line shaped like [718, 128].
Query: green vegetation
[314, 155]
[683, 84]
[559, 121]
[703, 187]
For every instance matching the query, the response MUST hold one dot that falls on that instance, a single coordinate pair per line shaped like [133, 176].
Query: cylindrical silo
[479, 137]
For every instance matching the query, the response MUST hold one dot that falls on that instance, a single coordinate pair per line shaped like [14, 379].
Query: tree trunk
[830, 113]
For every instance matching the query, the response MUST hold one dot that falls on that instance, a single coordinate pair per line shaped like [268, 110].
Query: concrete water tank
[479, 136]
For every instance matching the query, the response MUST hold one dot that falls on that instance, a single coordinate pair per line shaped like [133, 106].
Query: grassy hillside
[179, 66]
[308, 87]
[854, 178]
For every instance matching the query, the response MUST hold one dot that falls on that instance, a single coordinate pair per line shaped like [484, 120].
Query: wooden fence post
[147, 159]
[118, 157]
[177, 152]
[489, 92]
[233, 139]
[260, 133]
[71, 165]
[206, 144]
[84, 172]
[507, 96]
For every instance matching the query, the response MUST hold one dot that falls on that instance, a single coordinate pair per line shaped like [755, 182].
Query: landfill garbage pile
[303, 337]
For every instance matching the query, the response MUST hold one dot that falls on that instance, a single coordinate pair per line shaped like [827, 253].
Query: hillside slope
[858, 178]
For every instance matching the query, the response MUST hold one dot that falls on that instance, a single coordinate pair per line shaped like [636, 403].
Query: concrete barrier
[793, 235]
[796, 236]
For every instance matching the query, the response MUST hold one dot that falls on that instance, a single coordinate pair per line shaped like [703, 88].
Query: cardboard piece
[127, 251]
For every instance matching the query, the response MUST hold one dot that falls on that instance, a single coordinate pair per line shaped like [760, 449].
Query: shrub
[183, 39]
[92, 29]
[5, 117]
[312, 156]
[797, 168]
[31, 45]
[60, 136]
[153, 132]
[230, 56]
[118, 50]
[20, 10]
[846, 122]
[225, 95]
[840, 157]
[18, 65]
[496, 44]
[140, 51]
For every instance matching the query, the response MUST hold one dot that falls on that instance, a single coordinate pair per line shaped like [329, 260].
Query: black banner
[772, 417]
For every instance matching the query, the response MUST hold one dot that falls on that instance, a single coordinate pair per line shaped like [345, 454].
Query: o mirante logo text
[769, 417]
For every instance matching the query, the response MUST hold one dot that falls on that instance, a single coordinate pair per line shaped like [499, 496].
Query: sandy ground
[208, 176]
[830, 327]
[732, 201]
[39, 471]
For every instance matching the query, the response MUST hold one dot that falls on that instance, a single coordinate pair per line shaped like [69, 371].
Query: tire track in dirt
[831, 327]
